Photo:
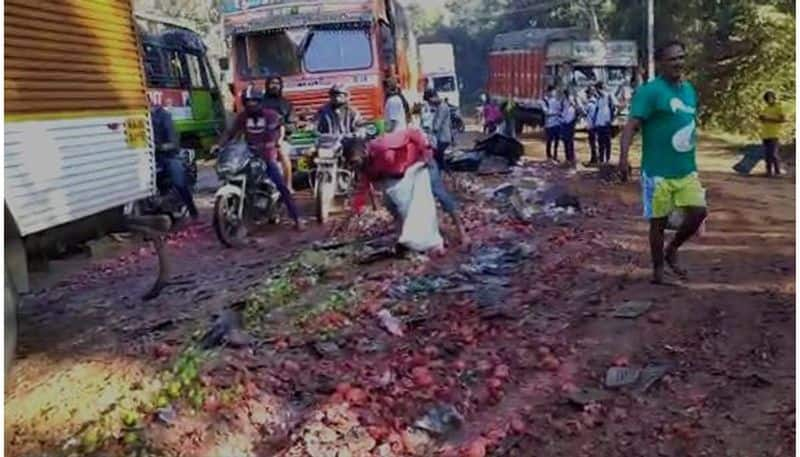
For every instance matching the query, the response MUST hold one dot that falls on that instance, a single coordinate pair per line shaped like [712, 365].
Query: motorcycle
[167, 200]
[247, 195]
[331, 178]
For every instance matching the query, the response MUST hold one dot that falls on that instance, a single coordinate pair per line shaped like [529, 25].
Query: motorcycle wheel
[324, 199]
[229, 229]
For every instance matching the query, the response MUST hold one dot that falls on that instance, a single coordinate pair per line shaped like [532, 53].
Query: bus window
[156, 70]
[196, 74]
[337, 50]
[178, 77]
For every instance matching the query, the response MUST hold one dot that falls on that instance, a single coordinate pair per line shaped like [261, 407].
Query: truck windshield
[262, 54]
[444, 84]
[337, 50]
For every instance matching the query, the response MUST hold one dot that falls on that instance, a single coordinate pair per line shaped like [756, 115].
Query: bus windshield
[338, 50]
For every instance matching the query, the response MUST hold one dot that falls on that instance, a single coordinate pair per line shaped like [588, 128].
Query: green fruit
[89, 440]
[197, 399]
[130, 438]
[130, 418]
[174, 389]
[162, 401]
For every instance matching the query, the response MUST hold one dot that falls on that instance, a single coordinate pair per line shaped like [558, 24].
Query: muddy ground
[514, 356]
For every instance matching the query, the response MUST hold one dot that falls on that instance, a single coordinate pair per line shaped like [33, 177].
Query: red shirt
[388, 157]
[260, 132]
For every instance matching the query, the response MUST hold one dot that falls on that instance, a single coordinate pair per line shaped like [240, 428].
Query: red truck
[523, 63]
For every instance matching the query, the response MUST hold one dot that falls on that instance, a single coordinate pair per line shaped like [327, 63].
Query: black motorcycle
[247, 195]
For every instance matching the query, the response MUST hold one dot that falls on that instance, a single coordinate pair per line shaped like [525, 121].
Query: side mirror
[223, 63]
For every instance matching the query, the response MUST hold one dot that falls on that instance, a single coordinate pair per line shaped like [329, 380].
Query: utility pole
[651, 58]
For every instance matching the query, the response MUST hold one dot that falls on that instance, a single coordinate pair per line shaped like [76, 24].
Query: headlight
[371, 129]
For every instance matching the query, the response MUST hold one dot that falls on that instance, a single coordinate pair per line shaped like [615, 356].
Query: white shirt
[394, 111]
[591, 108]
[568, 112]
[552, 105]
[604, 103]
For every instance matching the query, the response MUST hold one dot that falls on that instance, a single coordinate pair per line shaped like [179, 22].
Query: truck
[438, 65]
[77, 135]
[315, 44]
[78, 146]
[524, 63]
[180, 78]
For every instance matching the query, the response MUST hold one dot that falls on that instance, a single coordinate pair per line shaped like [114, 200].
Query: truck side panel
[77, 127]
[519, 74]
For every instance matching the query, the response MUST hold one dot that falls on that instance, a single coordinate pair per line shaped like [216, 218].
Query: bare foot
[671, 257]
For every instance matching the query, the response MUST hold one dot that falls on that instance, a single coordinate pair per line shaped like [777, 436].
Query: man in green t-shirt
[665, 110]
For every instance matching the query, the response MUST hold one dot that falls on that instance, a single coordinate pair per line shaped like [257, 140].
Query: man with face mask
[274, 100]
[666, 109]
[337, 117]
[261, 129]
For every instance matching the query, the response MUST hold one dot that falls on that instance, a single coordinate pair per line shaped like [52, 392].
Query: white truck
[438, 65]
[77, 130]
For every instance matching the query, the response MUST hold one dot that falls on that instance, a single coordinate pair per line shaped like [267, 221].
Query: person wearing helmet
[261, 127]
[274, 100]
[337, 117]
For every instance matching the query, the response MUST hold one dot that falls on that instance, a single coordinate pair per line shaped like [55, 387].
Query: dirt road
[513, 336]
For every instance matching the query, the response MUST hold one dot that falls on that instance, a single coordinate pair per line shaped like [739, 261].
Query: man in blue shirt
[167, 144]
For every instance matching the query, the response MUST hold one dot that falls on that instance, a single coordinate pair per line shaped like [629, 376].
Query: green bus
[180, 79]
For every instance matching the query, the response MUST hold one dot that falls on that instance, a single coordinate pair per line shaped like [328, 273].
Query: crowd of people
[664, 109]
[562, 111]
[383, 164]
